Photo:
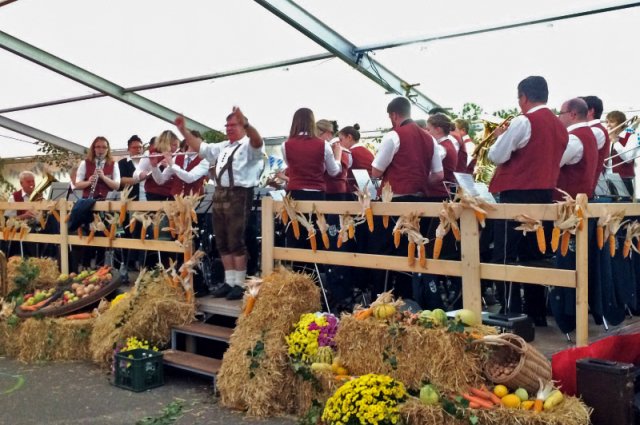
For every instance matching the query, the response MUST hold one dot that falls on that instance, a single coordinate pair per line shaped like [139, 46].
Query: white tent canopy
[134, 43]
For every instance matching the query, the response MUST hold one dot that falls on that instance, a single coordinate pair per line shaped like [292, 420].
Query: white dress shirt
[199, 171]
[82, 171]
[574, 150]
[597, 131]
[160, 177]
[13, 213]
[628, 152]
[247, 161]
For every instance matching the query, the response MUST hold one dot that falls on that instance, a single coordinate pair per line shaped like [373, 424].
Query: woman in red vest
[439, 126]
[98, 173]
[361, 156]
[155, 169]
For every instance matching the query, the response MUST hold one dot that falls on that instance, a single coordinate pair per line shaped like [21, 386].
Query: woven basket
[531, 367]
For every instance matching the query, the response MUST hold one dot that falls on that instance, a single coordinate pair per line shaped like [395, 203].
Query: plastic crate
[138, 370]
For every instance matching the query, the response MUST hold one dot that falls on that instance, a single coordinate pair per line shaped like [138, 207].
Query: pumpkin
[384, 311]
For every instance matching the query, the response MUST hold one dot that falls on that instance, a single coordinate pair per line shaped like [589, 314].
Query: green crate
[138, 370]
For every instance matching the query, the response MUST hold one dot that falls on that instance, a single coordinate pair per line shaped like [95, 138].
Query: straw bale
[410, 354]
[47, 276]
[572, 411]
[150, 312]
[54, 339]
[8, 335]
[307, 391]
[267, 388]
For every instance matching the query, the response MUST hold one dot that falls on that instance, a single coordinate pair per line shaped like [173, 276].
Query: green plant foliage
[61, 158]
[169, 415]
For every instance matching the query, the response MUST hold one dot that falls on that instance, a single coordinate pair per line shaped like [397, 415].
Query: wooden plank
[191, 362]
[266, 260]
[204, 330]
[533, 275]
[582, 281]
[38, 238]
[221, 306]
[64, 239]
[149, 244]
[470, 262]
[599, 210]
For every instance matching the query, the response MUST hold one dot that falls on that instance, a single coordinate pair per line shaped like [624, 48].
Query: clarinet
[99, 166]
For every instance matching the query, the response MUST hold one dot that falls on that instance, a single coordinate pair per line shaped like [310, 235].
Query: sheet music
[363, 180]
[277, 195]
[473, 188]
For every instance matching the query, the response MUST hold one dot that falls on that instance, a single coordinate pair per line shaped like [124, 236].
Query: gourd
[384, 311]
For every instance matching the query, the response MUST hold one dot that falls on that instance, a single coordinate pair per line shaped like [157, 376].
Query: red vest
[17, 196]
[338, 184]
[603, 152]
[361, 160]
[537, 165]
[472, 164]
[101, 187]
[578, 178]
[150, 185]
[409, 170]
[182, 188]
[449, 165]
[305, 160]
[624, 169]
[461, 166]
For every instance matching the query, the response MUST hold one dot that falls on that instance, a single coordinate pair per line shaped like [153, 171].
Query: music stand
[59, 190]
[207, 201]
[617, 186]
[113, 195]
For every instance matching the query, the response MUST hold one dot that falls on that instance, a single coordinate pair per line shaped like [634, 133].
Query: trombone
[633, 123]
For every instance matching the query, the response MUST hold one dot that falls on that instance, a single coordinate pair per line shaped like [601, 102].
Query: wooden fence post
[582, 277]
[64, 239]
[470, 262]
[267, 236]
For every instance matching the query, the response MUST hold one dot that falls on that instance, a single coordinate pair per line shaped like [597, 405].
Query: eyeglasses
[563, 112]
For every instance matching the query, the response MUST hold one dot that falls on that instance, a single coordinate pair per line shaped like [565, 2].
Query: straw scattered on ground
[154, 306]
[255, 374]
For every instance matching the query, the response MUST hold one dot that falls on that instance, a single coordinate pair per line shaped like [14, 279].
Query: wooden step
[192, 362]
[221, 306]
[203, 330]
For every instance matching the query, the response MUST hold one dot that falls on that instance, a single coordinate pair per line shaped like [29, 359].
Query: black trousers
[510, 245]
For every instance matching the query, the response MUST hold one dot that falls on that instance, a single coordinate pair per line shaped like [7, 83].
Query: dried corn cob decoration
[125, 198]
[323, 227]
[387, 196]
[529, 224]
[564, 243]
[364, 198]
[477, 204]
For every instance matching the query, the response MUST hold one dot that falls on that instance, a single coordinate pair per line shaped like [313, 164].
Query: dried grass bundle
[47, 276]
[149, 312]
[53, 339]
[255, 375]
[8, 335]
[410, 354]
[571, 412]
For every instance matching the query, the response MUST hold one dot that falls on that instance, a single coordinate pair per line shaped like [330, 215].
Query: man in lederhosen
[237, 166]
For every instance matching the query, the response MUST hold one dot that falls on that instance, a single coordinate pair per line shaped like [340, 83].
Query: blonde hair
[163, 141]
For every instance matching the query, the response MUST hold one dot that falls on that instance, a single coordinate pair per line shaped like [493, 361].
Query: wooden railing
[64, 239]
[469, 267]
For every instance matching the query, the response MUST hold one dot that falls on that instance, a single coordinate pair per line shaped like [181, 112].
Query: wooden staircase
[198, 346]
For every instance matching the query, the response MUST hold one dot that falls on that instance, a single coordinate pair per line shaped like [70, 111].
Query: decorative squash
[384, 311]
[324, 355]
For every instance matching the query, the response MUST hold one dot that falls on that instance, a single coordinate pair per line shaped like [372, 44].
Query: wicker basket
[530, 368]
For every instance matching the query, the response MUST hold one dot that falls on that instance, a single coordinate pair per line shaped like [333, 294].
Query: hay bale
[48, 272]
[54, 339]
[306, 391]
[8, 336]
[150, 312]
[262, 385]
[571, 412]
[410, 354]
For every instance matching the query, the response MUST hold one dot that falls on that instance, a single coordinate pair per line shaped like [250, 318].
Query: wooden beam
[582, 279]
[469, 261]
[148, 245]
[266, 260]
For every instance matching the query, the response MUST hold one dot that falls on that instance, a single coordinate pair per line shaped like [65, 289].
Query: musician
[190, 170]
[594, 103]
[439, 127]
[579, 160]
[27, 184]
[624, 148]
[527, 154]
[578, 166]
[336, 186]
[154, 169]
[462, 130]
[128, 166]
[407, 160]
[237, 165]
[97, 173]
[362, 157]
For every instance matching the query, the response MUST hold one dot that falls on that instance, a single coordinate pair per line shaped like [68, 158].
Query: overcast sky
[144, 41]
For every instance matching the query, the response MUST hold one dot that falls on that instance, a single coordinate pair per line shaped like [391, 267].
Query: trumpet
[484, 167]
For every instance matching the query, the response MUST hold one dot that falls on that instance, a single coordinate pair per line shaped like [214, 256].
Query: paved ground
[78, 393]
